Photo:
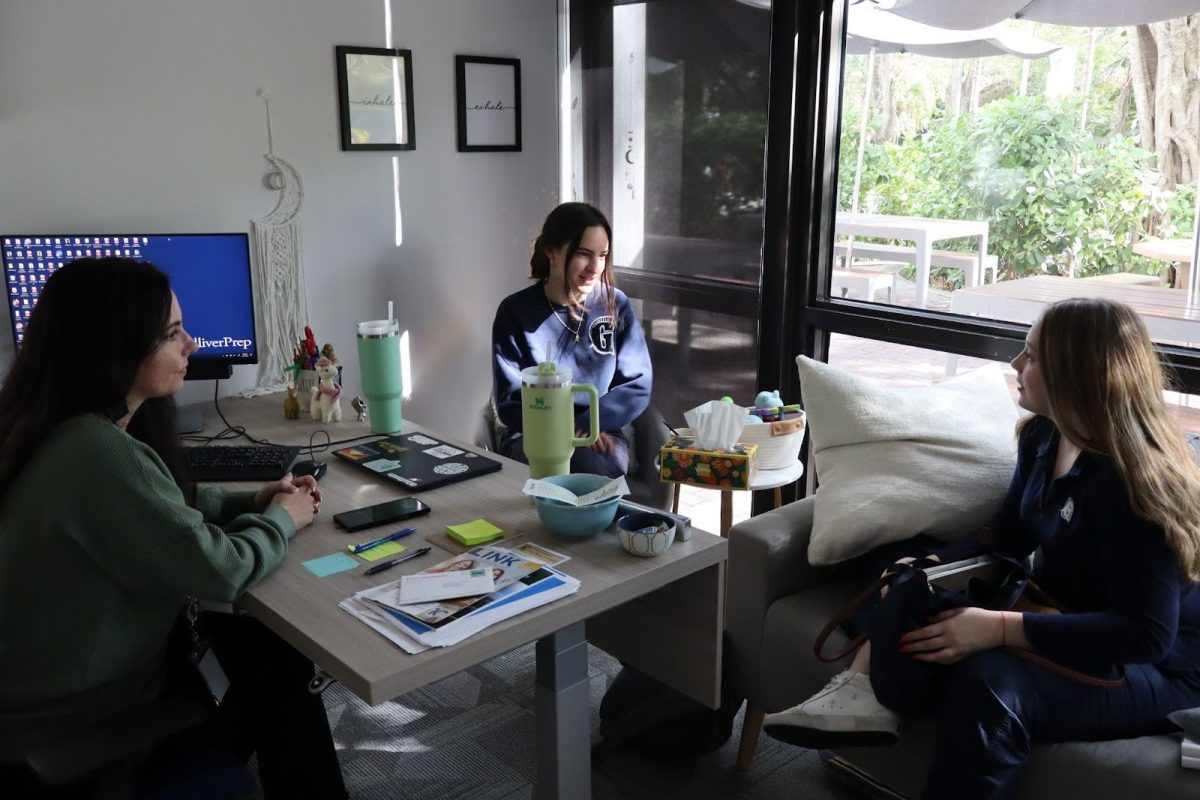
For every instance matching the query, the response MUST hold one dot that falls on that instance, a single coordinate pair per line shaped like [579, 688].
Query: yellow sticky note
[376, 553]
[474, 532]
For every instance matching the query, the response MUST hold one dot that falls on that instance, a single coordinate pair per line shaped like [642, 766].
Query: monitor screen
[210, 273]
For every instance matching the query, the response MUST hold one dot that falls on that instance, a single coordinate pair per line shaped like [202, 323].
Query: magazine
[527, 584]
[415, 637]
[507, 568]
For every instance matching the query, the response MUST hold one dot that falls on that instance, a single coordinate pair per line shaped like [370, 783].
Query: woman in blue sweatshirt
[1108, 490]
[575, 316]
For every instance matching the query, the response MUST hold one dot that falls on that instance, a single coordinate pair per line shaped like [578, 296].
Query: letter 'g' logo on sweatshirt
[600, 334]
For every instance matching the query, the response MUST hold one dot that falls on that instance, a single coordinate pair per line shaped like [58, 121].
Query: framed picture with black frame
[375, 98]
[489, 104]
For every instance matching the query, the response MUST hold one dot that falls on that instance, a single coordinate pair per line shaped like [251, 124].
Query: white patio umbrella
[870, 31]
[966, 14]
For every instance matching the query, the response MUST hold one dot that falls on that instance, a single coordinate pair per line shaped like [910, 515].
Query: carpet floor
[472, 736]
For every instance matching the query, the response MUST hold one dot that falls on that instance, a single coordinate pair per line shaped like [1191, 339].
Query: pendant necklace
[554, 313]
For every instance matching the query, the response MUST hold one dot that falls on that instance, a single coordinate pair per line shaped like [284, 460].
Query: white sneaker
[843, 714]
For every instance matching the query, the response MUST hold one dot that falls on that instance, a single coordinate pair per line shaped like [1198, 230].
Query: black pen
[389, 564]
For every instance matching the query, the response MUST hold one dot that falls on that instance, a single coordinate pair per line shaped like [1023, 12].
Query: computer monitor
[210, 273]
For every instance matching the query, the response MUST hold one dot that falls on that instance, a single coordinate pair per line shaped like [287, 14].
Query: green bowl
[577, 522]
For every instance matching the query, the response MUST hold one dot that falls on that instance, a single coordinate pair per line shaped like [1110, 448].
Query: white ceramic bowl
[645, 545]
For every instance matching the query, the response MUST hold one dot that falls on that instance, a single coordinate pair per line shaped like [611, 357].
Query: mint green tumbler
[379, 368]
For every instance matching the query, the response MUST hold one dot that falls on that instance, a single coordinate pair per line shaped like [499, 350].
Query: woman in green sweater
[102, 537]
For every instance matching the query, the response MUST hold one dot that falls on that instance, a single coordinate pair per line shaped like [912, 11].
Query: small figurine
[327, 352]
[768, 400]
[360, 407]
[325, 404]
[298, 357]
[291, 405]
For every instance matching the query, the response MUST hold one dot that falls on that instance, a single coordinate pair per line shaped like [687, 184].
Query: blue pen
[400, 534]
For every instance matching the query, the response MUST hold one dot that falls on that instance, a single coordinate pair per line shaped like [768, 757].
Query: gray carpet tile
[472, 736]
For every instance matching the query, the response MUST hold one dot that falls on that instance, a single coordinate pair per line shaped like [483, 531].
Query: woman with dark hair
[575, 316]
[102, 537]
[1109, 492]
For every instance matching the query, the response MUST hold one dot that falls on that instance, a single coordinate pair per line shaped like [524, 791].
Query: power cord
[231, 431]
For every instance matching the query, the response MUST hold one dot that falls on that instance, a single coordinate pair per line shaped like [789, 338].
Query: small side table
[767, 479]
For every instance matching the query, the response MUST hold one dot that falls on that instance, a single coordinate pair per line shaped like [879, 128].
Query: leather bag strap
[863, 597]
[849, 610]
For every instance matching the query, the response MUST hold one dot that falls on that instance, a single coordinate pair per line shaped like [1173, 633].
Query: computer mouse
[309, 467]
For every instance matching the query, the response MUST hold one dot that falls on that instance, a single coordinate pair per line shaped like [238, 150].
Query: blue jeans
[993, 706]
[613, 464]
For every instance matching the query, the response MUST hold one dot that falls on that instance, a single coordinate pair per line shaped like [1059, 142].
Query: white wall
[128, 115]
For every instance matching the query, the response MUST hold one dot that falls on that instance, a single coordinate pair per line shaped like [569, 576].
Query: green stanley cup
[379, 366]
[548, 418]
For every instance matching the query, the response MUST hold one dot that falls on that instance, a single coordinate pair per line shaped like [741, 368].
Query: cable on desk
[312, 449]
[231, 431]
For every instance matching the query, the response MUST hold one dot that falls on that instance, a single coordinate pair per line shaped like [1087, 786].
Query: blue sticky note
[330, 564]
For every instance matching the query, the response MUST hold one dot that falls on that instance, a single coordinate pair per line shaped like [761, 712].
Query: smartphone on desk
[381, 514]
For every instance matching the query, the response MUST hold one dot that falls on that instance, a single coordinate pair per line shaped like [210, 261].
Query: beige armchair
[777, 604]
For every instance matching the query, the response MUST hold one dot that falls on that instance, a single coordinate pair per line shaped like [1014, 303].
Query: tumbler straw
[389, 316]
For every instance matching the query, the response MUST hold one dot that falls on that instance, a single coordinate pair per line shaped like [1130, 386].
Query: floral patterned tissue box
[683, 462]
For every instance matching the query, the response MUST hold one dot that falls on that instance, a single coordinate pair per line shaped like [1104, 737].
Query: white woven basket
[778, 442]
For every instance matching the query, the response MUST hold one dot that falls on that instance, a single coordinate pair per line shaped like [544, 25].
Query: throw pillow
[893, 462]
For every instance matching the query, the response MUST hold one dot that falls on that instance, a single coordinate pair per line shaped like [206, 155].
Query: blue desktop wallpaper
[210, 274]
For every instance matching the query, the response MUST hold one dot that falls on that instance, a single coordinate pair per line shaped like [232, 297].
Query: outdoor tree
[1164, 62]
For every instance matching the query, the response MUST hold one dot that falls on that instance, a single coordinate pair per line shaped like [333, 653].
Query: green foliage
[1055, 197]
[1178, 214]
[719, 108]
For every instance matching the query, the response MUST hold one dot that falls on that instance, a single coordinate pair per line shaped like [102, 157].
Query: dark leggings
[267, 710]
[994, 706]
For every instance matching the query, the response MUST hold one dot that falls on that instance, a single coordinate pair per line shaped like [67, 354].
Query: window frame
[803, 129]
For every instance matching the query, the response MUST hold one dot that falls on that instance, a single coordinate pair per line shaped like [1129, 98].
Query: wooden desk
[922, 231]
[662, 615]
[1168, 313]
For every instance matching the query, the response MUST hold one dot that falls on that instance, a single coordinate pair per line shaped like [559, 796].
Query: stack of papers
[1191, 753]
[523, 579]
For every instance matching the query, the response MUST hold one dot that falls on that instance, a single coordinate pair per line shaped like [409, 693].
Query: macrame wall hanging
[280, 296]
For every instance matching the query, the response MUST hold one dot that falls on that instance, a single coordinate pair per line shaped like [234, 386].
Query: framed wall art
[375, 98]
[489, 103]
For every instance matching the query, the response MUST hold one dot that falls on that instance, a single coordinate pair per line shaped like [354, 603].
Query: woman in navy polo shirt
[1107, 488]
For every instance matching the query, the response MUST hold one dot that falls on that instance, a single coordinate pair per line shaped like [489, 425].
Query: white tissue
[716, 424]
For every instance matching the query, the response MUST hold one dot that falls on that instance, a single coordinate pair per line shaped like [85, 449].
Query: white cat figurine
[326, 404]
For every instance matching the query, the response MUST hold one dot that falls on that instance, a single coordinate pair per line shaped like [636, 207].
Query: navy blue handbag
[908, 686]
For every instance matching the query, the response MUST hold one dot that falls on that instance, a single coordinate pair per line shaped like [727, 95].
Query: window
[991, 172]
[668, 132]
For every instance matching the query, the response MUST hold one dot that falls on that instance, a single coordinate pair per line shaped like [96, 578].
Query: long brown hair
[1104, 384]
[565, 226]
[94, 323]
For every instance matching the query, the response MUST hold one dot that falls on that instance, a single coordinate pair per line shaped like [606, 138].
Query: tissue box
[683, 462]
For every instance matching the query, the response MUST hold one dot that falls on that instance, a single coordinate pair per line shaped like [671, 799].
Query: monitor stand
[189, 419]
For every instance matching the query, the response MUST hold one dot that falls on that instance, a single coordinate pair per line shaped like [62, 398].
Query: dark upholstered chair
[109, 759]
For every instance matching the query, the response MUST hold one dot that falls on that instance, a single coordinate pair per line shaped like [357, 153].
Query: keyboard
[217, 462]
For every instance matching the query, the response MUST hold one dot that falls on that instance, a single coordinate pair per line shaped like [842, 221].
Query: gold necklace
[554, 313]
